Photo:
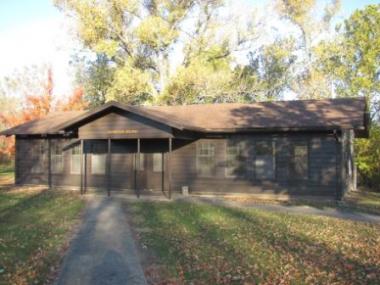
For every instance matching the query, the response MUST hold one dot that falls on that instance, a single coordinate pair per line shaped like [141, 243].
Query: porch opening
[135, 166]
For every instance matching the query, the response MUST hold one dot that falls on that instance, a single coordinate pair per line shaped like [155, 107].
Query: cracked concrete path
[104, 250]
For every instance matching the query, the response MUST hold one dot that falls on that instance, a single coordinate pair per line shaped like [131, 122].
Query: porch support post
[85, 172]
[343, 164]
[353, 161]
[137, 169]
[163, 172]
[108, 167]
[81, 167]
[169, 169]
[49, 164]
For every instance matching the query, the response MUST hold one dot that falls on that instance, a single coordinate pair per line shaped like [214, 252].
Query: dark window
[235, 160]
[205, 158]
[300, 161]
[265, 160]
[75, 159]
[56, 157]
[38, 156]
[157, 162]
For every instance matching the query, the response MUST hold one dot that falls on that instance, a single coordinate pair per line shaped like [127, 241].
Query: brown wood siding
[321, 177]
[323, 157]
[123, 125]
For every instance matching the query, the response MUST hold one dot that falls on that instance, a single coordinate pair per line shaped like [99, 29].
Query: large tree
[352, 59]
[95, 76]
[157, 48]
[312, 22]
[27, 94]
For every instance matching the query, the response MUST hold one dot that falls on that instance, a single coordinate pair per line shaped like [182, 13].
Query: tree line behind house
[194, 52]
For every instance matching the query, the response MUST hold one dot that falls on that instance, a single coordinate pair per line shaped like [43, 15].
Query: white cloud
[46, 41]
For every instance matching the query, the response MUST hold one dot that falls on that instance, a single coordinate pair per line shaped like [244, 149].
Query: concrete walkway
[345, 214]
[104, 251]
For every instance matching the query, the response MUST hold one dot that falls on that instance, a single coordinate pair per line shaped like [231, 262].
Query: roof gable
[107, 108]
[121, 124]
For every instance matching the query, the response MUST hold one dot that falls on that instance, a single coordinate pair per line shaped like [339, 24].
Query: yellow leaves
[92, 22]
[204, 80]
[129, 85]
[156, 32]
[297, 10]
[130, 6]
[108, 47]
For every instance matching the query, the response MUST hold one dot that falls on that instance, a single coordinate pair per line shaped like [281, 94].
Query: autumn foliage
[36, 106]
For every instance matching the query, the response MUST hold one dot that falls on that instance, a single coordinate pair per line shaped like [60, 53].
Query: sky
[35, 32]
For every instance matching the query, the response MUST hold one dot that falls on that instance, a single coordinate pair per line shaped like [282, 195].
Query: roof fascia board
[110, 105]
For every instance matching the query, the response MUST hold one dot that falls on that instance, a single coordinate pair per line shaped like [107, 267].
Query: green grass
[6, 174]
[34, 227]
[208, 244]
[363, 201]
[6, 168]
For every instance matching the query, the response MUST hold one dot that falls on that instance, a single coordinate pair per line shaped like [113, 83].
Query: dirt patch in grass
[210, 244]
[35, 226]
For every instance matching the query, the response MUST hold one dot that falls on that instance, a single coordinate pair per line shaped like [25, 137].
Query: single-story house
[283, 148]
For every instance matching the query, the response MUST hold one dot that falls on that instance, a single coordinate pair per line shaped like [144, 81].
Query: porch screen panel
[265, 160]
[157, 162]
[56, 158]
[205, 159]
[38, 156]
[98, 157]
[75, 160]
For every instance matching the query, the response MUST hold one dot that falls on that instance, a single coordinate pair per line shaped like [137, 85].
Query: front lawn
[6, 174]
[363, 201]
[209, 244]
[34, 228]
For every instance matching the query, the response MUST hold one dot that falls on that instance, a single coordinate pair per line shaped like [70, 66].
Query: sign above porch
[122, 125]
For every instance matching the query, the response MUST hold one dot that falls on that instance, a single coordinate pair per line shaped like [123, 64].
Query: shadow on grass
[306, 252]
[186, 237]
[23, 203]
[32, 233]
